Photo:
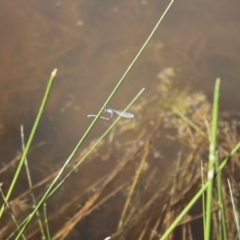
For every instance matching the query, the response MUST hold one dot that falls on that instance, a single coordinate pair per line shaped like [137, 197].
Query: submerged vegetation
[171, 173]
[165, 152]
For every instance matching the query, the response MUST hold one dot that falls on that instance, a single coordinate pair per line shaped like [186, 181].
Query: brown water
[92, 43]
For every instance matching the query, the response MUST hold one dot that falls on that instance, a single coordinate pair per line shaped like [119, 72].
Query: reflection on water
[92, 43]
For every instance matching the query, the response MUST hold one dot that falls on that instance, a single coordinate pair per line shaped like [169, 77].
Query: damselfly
[112, 111]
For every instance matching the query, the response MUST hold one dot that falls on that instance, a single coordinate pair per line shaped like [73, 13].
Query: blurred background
[91, 43]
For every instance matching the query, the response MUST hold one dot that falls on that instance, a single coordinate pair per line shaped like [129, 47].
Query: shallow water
[92, 43]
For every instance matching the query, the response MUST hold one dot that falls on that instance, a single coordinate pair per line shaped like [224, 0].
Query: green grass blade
[132, 63]
[18, 228]
[203, 199]
[188, 121]
[32, 134]
[222, 224]
[46, 221]
[212, 160]
[40, 224]
[51, 188]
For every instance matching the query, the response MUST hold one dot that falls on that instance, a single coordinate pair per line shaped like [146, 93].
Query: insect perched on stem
[112, 111]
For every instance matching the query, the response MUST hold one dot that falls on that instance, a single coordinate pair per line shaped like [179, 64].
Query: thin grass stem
[203, 199]
[222, 214]
[134, 60]
[32, 134]
[46, 221]
[172, 192]
[188, 121]
[18, 227]
[10, 210]
[212, 160]
[40, 224]
[236, 215]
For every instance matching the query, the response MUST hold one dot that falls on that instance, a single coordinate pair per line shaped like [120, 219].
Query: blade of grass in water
[40, 224]
[134, 60]
[203, 198]
[32, 134]
[212, 160]
[188, 121]
[46, 221]
[222, 221]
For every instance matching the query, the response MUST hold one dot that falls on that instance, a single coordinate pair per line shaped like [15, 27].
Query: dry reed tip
[54, 72]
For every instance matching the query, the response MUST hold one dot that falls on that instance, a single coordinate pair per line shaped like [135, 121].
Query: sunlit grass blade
[212, 160]
[32, 134]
